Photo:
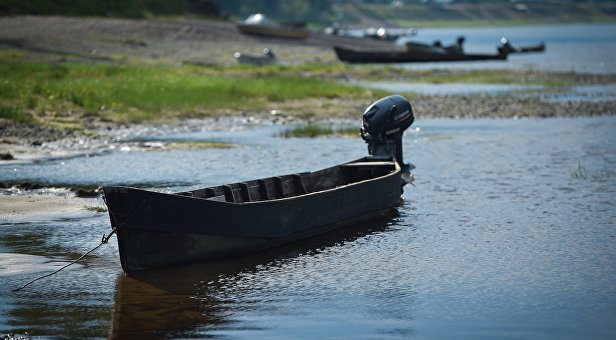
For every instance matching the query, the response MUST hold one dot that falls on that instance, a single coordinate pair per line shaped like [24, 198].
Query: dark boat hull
[274, 31]
[373, 56]
[529, 49]
[158, 229]
[508, 49]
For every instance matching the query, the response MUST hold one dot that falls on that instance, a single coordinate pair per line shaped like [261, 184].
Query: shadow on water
[179, 301]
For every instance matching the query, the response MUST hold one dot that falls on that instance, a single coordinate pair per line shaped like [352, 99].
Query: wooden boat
[157, 229]
[258, 24]
[414, 52]
[507, 47]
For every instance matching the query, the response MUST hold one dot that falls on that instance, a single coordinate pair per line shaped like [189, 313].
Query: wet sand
[45, 207]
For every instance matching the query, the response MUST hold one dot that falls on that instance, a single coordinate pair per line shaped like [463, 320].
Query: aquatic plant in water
[317, 130]
[580, 172]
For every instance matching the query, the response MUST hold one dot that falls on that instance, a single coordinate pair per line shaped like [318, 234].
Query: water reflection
[583, 48]
[509, 232]
[190, 300]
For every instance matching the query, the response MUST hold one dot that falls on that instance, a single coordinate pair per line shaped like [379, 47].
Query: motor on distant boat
[384, 123]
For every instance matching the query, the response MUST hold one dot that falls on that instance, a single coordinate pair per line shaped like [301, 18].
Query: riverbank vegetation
[312, 130]
[134, 93]
[58, 93]
[346, 72]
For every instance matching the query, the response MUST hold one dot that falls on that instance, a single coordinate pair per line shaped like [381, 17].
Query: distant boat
[389, 34]
[380, 33]
[507, 47]
[258, 24]
[413, 52]
[267, 58]
[157, 229]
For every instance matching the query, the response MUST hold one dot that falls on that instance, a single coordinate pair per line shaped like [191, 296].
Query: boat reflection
[174, 301]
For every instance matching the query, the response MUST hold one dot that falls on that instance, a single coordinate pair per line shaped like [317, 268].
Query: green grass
[61, 94]
[15, 114]
[317, 130]
[337, 71]
[494, 77]
[136, 93]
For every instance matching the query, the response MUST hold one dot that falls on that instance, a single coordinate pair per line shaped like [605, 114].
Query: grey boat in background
[258, 24]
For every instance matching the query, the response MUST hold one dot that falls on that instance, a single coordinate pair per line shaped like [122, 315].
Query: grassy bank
[77, 95]
[132, 93]
[342, 71]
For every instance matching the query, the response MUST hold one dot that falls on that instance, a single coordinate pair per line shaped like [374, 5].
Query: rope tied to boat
[104, 240]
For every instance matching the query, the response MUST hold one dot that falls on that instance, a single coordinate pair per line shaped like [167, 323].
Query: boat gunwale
[394, 172]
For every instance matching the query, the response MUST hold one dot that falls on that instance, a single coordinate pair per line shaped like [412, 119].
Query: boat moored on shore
[157, 229]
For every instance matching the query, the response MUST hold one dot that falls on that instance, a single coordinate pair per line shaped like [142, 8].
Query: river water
[582, 48]
[509, 232]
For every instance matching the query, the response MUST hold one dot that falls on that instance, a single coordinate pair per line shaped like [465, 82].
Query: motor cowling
[384, 123]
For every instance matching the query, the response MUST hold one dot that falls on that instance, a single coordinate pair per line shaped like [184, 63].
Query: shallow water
[451, 88]
[584, 93]
[587, 93]
[504, 236]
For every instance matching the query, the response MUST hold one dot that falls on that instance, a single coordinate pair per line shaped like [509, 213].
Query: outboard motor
[384, 123]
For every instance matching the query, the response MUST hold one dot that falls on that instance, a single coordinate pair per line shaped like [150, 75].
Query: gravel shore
[22, 140]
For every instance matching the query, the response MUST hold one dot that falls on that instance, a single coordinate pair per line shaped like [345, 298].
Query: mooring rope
[104, 240]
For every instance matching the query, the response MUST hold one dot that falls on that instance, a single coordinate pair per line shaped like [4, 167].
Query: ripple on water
[18, 266]
[496, 239]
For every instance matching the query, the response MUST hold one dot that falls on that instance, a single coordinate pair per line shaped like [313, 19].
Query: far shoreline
[501, 23]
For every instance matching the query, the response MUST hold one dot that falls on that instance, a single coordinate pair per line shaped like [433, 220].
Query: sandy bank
[32, 208]
[169, 41]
